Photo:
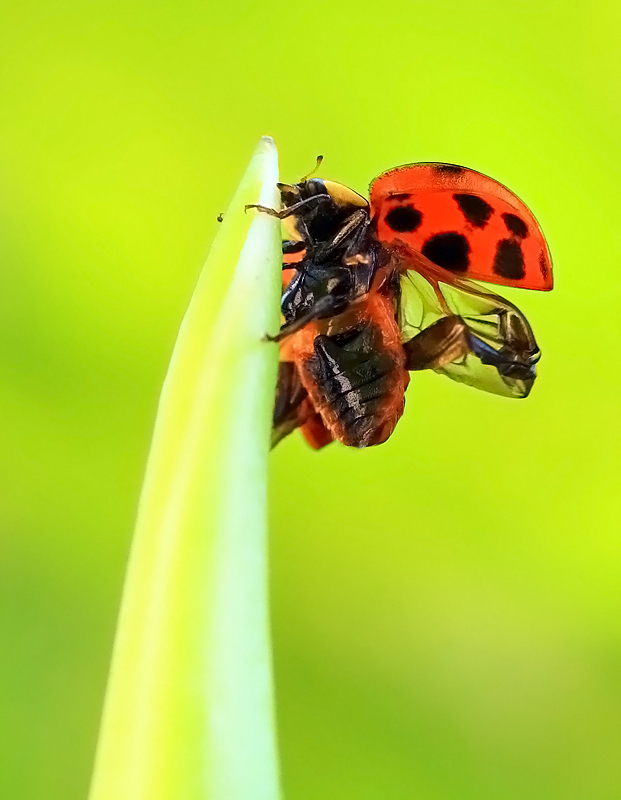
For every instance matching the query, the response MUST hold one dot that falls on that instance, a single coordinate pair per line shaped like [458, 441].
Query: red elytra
[463, 221]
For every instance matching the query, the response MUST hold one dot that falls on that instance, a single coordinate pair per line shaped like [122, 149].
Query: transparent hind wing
[468, 334]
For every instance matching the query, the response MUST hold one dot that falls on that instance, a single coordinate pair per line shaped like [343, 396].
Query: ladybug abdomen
[356, 379]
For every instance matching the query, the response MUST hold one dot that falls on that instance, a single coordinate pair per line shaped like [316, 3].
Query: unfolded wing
[468, 334]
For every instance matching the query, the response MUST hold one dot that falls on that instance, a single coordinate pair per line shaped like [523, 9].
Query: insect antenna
[313, 170]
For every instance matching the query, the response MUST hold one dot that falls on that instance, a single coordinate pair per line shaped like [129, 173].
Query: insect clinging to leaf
[373, 290]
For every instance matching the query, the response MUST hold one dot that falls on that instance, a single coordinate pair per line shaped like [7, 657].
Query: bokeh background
[446, 608]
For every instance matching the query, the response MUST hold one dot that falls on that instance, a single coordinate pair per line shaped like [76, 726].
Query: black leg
[291, 406]
[356, 220]
[327, 306]
[287, 212]
[290, 246]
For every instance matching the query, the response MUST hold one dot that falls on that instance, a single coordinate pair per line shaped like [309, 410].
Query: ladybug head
[323, 218]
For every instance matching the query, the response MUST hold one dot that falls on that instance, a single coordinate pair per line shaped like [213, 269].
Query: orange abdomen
[353, 368]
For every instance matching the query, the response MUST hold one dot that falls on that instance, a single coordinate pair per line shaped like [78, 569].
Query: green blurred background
[445, 607]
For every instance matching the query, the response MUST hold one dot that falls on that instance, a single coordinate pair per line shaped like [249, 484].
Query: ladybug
[375, 289]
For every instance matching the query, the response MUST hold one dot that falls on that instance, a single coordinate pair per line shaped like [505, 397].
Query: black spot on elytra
[509, 261]
[543, 265]
[515, 225]
[474, 209]
[451, 168]
[403, 219]
[449, 250]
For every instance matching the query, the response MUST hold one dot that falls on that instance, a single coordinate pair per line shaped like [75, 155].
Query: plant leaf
[189, 707]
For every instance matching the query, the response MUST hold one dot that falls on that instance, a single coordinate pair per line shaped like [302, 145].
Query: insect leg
[287, 212]
[291, 246]
[355, 220]
[327, 306]
[292, 406]
[443, 342]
